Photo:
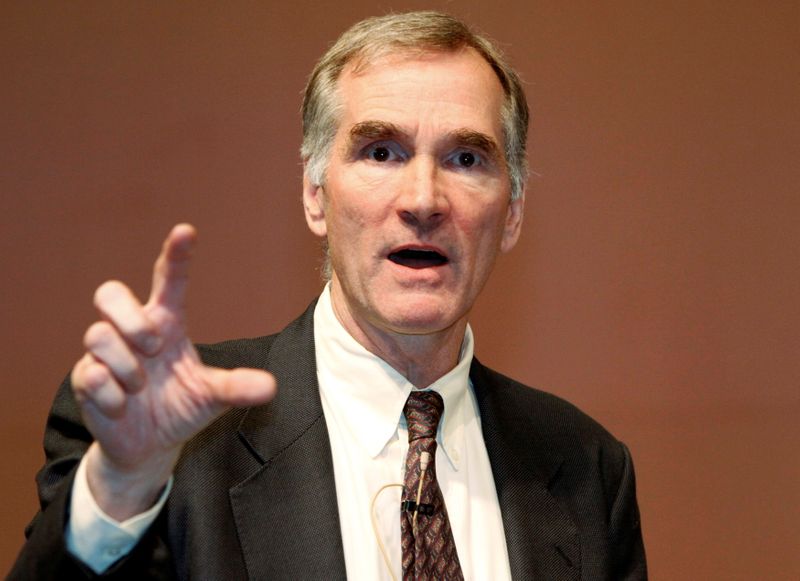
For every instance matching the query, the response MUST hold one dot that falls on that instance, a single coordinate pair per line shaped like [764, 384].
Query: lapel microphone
[406, 505]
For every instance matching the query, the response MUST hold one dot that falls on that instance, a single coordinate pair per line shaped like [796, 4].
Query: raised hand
[142, 388]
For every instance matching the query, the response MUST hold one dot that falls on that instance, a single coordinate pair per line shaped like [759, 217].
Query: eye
[466, 159]
[382, 152]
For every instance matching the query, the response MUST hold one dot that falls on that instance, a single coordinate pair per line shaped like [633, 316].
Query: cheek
[362, 199]
[482, 231]
[344, 212]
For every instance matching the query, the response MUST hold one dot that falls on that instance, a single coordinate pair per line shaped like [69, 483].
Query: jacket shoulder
[248, 352]
[256, 351]
[547, 415]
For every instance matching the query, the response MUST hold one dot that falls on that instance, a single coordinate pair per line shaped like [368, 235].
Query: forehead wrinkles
[423, 91]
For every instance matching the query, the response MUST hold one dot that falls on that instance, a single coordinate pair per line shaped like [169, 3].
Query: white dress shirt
[362, 399]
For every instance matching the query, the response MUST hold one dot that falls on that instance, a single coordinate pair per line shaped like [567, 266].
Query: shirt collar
[357, 383]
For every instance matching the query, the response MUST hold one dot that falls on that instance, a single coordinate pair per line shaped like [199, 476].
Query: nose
[423, 202]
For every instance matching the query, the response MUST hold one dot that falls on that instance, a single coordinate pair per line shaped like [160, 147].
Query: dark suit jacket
[254, 494]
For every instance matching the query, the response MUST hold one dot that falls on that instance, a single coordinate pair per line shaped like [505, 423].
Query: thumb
[240, 387]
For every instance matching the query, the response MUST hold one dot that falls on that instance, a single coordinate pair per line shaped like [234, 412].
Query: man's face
[416, 202]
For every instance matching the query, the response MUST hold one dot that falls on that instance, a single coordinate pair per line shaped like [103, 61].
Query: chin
[420, 318]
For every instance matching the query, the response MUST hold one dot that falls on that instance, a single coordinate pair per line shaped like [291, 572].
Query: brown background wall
[656, 284]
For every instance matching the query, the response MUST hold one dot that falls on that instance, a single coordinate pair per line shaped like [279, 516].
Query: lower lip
[418, 265]
[419, 272]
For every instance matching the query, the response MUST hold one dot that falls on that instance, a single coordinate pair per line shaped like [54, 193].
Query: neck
[422, 358]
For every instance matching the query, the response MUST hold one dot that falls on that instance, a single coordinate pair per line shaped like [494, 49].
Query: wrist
[126, 491]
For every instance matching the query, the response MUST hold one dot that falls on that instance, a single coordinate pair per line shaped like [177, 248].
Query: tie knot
[423, 410]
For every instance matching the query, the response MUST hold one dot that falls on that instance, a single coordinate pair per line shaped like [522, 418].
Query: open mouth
[417, 258]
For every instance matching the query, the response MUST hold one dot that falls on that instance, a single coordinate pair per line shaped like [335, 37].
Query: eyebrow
[375, 130]
[478, 140]
[462, 137]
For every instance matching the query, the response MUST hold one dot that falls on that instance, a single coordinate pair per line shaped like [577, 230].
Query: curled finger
[106, 345]
[93, 384]
[118, 305]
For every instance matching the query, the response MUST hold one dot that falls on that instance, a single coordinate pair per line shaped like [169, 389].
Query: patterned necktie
[429, 550]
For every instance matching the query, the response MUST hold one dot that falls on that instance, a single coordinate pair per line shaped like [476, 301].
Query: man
[167, 461]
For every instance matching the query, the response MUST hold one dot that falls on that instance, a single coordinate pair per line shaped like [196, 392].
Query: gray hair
[411, 32]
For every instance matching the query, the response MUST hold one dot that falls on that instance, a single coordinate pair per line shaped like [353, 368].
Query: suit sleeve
[44, 555]
[625, 529]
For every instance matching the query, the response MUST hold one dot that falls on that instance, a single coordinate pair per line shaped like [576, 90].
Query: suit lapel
[286, 513]
[542, 539]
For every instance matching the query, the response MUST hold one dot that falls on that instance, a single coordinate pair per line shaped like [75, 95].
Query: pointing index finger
[171, 270]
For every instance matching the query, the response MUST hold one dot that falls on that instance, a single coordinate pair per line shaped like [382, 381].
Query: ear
[314, 207]
[513, 225]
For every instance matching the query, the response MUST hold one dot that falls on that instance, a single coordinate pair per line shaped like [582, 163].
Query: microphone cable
[424, 461]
